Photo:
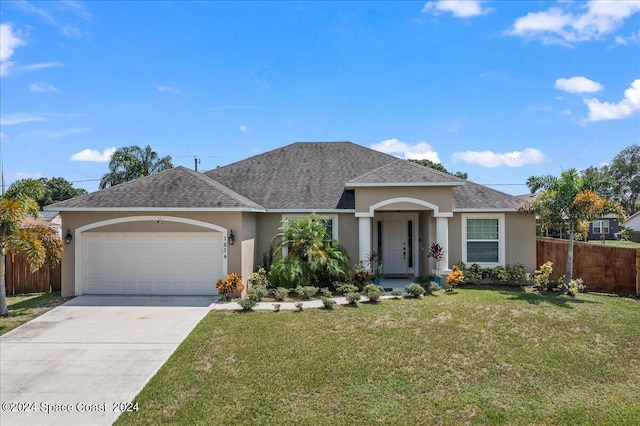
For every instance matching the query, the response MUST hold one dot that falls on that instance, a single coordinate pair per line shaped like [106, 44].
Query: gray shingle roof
[175, 188]
[312, 175]
[474, 196]
[303, 175]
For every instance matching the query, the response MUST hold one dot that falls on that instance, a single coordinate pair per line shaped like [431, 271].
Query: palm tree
[133, 162]
[571, 201]
[40, 243]
[312, 257]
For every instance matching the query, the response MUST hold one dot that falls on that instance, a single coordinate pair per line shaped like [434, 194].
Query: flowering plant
[436, 251]
[373, 260]
[455, 278]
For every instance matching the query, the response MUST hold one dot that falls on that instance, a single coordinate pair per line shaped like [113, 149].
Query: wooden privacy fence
[20, 279]
[603, 268]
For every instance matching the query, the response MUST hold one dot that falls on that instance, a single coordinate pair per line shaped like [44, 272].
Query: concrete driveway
[84, 362]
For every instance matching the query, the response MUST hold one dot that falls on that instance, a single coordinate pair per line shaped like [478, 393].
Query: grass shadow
[43, 300]
[537, 298]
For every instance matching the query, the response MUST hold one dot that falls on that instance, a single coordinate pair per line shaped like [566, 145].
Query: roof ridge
[222, 188]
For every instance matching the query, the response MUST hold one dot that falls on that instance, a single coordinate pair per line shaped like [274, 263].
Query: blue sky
[501, 90]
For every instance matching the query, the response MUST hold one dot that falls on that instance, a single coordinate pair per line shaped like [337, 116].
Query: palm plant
[133, 162]
[40, 243]
[571, 201]
[311, 257]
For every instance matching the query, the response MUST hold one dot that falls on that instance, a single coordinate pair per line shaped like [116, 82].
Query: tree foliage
[44, 191]
[439, 167]
[133, 162]
[624, 171]
[569, 201]
[39, 243]
[312, 257]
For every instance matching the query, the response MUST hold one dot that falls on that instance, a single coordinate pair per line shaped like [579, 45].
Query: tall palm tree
[133, 162]
[40, 243]
[572, 201]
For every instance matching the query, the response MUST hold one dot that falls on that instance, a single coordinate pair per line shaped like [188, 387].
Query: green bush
[397, 292]
[473, 274]
[258, 292]
[423, 279]
[328, 302]
[325, 292]
[500, 273]
[299, 306]
[576, 286]
[414, 290]
[260, 277]
[353, 298]
[373, 292]
[248, 303]
[517, 273]
[306, 292]
[280, 293]
[541, 276]
[276, 307]
[346, 287]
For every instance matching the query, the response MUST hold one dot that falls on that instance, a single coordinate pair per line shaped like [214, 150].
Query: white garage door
[171, 263]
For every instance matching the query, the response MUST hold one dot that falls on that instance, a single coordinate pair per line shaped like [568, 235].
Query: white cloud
[419, 151]
[18, 118]
[510, 159]
[244, 128]
[93, 155]
[578, 85]
[10, 39]
[69, 17]
[458, 8]
[167, 89]
[592, 21]
[627, 107]
[42, 87]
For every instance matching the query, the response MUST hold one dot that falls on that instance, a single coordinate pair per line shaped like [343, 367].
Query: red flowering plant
[436, 251]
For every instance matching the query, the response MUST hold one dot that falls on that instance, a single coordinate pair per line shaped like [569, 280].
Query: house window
[483, 239]
[601, 227]
[331, 222]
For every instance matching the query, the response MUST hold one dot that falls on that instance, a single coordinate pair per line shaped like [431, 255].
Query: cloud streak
[578, 85]
[492, 160]
[628, 106]
[43, 87]
[94, 156]
[458, 8]
[560, 25]
[19, 118]
[419, 151]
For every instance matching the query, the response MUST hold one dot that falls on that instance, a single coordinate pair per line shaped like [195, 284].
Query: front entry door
[395, 246]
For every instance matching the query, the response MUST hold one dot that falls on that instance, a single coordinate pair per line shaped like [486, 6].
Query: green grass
[25, 307]
[479, 356]
[616, 243]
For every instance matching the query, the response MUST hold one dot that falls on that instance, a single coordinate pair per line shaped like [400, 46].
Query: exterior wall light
[68, 237]
[232, 237]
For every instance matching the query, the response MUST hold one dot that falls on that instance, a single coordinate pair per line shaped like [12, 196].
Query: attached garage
[151, 263]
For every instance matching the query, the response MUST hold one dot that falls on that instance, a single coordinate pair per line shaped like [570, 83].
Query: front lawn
[481, 356]
[25, 307]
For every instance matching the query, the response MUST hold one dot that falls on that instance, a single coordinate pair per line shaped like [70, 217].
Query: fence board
[20, 279]
[603, 268]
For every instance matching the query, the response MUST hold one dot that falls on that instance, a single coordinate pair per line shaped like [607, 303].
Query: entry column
[442, 237]
[364, 240]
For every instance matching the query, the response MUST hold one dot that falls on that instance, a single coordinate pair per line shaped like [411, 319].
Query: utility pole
[196, 161]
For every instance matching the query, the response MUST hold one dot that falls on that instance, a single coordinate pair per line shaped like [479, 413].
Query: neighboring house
[633, 222]
[178, 231]
[53, 219]
[604, 228]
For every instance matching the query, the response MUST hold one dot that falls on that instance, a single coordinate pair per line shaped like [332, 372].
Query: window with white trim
[600, 227]
[483, 239]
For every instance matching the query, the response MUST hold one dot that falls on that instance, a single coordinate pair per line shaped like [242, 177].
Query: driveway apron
[84, 362]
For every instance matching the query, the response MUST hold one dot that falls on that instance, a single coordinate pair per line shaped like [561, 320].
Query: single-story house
[179, 231]
[633, 222]
[604, 228]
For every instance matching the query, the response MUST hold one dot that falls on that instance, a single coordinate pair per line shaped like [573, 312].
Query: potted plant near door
[436, 252]
[373, 260]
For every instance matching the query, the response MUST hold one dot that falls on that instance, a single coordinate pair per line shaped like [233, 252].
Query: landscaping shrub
[328, 302]
[576, 286]
[500, 273]
[248, 303]
[414, 290]
[360, 276]
[260, 277]
[346, 287]
[306, 292]
[517, 273]
[473, 274]
[541, 276]
[325, 292]
[299, 306]
[276, 307]
[258, 291]
[454, 278]
[229, 285]
[353, 298]
[396, 292]
[280, 293]
[373, 292]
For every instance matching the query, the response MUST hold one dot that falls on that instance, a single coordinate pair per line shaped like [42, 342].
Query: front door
[395, 246]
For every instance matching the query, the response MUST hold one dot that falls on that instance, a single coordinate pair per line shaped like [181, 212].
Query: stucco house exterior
[178, 231]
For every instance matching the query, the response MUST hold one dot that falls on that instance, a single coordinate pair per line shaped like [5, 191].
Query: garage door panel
[151, 263]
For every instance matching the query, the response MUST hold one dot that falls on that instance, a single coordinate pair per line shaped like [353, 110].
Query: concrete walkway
[85, 361]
